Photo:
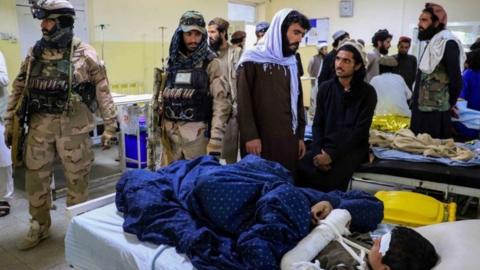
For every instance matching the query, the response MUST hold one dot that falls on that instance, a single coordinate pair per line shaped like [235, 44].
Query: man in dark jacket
[407, 63]
[345, 107]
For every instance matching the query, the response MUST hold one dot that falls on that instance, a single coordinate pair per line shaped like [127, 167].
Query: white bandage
[318, 239]
[385, 243]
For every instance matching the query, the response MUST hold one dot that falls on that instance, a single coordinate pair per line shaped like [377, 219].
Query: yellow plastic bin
[414, 209]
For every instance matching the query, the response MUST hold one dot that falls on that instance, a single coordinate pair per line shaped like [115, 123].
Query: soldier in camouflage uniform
[229, 56]
[195, 104]
[63, 81]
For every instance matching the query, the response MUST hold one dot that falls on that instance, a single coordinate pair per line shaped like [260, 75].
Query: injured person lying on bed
[245, 215]
[327, 247]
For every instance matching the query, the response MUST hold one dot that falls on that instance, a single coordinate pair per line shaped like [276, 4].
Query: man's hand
[107, 135]
[214, 149]
[322, 159]
[8, 136]
[320, 211]
[454, 112]
[301, 149]
[254, 147]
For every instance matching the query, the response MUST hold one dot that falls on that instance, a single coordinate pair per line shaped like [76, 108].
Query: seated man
[400, 249]
[345, 106]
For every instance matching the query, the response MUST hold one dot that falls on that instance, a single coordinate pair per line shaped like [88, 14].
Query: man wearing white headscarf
[270, 107]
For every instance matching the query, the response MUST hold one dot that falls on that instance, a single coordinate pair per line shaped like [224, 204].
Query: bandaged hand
[108, 133]
[320, 211]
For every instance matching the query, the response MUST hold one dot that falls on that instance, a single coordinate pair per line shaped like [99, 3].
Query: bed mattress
[96, 240]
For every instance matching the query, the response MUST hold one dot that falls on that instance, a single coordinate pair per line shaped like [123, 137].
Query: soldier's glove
[214, 149]
[108, 133]
[8, 135]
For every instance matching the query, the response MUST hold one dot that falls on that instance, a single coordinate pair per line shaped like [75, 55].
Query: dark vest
[187, 96]
[48, 86]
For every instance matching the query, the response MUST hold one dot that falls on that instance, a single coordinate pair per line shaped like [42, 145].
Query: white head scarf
[270, 52]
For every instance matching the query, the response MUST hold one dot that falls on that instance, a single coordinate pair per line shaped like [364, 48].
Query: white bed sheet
[96, 240]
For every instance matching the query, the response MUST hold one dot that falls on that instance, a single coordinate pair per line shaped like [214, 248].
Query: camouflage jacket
[229, 58]
[86, 68]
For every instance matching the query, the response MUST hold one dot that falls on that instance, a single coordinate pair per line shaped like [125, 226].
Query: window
[241, 12]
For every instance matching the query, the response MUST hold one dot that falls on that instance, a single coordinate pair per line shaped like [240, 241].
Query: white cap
[358, 46]
[321, 44]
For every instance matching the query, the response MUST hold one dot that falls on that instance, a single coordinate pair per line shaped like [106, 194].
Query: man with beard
[270, 104]
[438, 81]
[381, 43]
[195, 103]
[229, 57]
[61, 82]
[407, 64]
[345, 107]
[328, 68]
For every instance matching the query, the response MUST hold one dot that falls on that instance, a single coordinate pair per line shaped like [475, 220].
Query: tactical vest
[187, 96]
[434, 93]
[48, 86]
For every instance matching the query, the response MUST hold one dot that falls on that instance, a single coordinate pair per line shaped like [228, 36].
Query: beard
[427, 34]
[291, 49]
[288, 49]
[383, 50]
[215, 44]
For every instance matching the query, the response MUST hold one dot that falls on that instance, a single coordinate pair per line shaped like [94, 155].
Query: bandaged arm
[317, 240]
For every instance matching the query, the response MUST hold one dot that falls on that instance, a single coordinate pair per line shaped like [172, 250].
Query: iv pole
[102, 28]
[162, 28]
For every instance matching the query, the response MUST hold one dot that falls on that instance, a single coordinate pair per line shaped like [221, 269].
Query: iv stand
[162, 28]
[102, 29]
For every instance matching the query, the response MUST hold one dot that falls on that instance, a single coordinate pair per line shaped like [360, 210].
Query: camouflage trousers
[183, 140]
[44, 143]
[230, 141]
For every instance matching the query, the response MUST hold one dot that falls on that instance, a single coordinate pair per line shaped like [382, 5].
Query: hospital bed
[448, 179]
[96, 240]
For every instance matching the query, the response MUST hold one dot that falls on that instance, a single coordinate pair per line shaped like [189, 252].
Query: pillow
[457, 243]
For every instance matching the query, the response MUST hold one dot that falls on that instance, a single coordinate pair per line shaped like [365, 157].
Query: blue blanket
[240, 216]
